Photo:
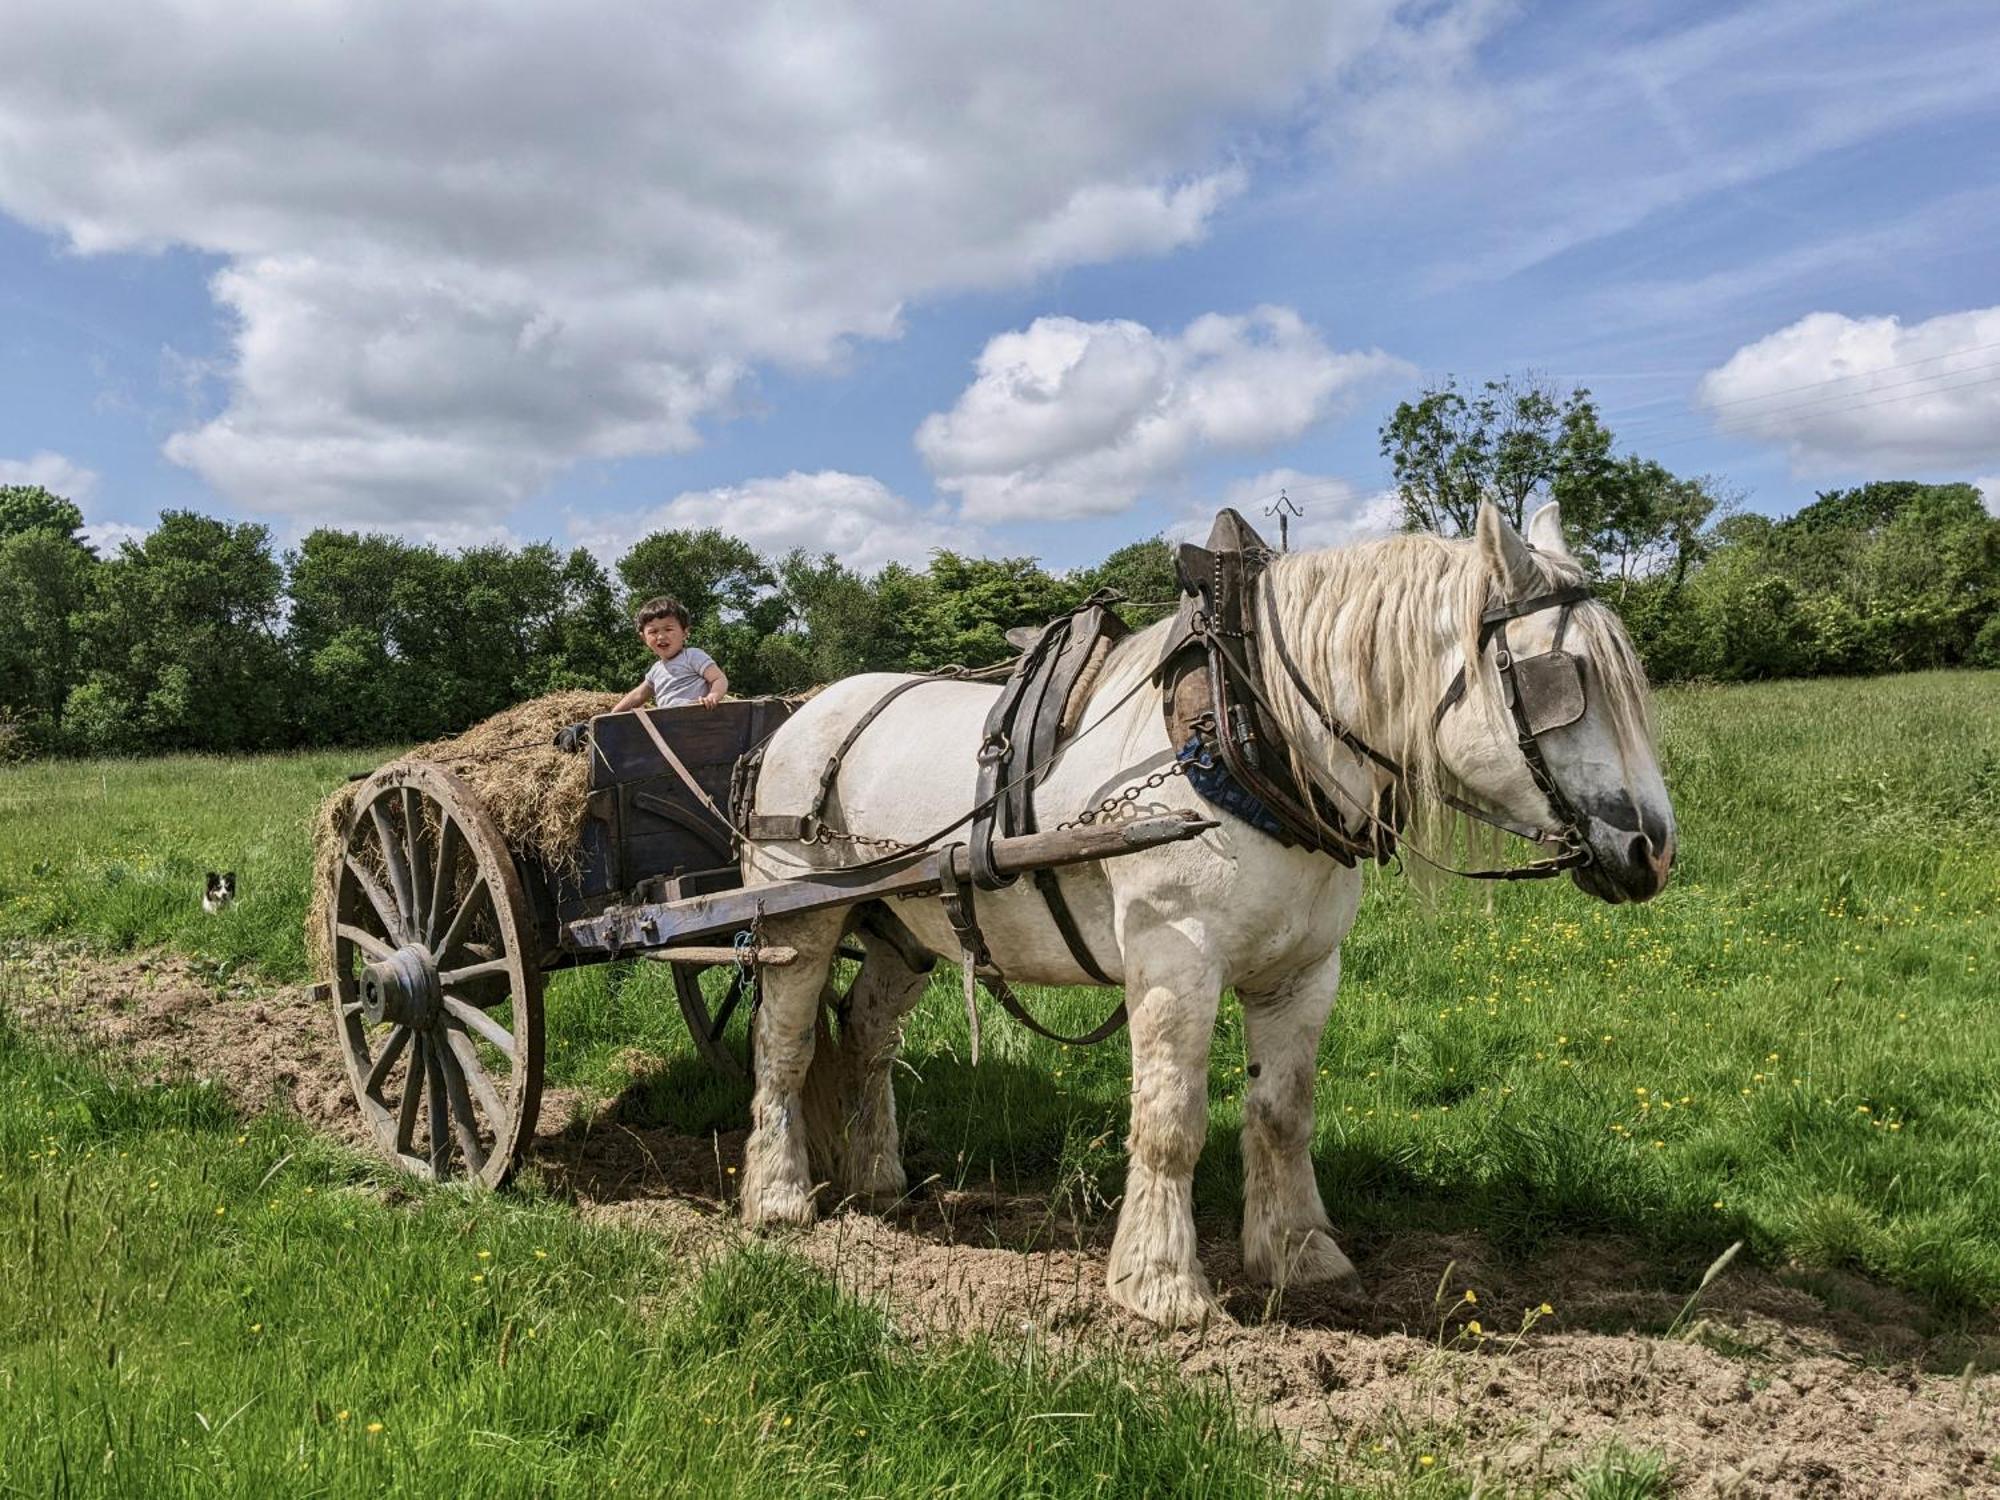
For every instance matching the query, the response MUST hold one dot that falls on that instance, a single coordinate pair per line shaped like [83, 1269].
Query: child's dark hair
[665, 607]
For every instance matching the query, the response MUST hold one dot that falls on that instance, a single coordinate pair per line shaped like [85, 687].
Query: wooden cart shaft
[660, 925]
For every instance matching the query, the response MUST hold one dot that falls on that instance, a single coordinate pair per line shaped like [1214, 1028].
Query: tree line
[201, 636]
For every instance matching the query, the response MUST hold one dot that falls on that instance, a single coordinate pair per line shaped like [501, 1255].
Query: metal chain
[828, 835]
[1126, 796]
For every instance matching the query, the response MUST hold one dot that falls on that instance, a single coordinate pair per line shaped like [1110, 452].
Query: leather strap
[680, 769]
[830, 773]
[978, 967]
[1022, 732]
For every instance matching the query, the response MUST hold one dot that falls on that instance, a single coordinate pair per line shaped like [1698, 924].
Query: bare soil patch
[1787, 1382]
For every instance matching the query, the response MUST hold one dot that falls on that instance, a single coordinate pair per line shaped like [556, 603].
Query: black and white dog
[220, 893]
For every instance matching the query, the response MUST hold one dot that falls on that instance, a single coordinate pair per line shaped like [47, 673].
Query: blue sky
[875, 279]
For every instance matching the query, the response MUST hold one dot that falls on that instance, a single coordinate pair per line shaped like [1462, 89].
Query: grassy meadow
[1795, 1045]
[196, 1305]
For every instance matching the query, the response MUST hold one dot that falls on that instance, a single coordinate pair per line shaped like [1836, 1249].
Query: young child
[683, 674]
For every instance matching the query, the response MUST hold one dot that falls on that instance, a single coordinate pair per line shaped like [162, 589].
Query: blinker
[1550, 688]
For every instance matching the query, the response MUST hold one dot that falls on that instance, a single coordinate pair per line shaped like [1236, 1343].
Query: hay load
[535, 792]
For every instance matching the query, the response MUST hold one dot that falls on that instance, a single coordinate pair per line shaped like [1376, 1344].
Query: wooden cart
[442, 936]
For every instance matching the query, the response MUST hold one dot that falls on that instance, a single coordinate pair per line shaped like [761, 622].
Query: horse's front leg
[777, 1176]
[1154, 1267]
[1287, 1237]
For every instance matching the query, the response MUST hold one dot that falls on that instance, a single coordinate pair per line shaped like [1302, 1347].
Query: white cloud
[463, 249]
[54, 473]
[1989, 491]
[1066, 418]
[856, 518]
[1868, 393]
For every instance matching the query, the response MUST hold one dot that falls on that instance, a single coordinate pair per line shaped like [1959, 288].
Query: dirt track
[1778, 1392]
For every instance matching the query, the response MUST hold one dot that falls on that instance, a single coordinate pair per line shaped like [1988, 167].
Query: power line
[1840, 380]
[1862, 374]
[1741, 431]
[1835, 397]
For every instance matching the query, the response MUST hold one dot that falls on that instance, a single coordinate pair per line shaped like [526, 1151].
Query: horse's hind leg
[777, 1176]
[871, 1033]
[1154, 1267]
[1287, 1238]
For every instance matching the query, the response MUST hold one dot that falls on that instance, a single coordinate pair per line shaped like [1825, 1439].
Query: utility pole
[1284, 508]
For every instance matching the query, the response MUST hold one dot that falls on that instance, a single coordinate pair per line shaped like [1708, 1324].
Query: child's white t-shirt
[678, 680]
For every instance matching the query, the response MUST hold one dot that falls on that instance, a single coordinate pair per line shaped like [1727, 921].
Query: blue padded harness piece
[1211, 779]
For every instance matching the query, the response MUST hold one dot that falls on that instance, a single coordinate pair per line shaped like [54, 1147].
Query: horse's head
[1551, 733]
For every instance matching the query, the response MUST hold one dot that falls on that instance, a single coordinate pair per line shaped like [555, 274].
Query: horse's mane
[1363, 623]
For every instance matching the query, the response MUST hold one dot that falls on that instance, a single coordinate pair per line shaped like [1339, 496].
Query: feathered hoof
[776, 1205]
[879, 1191]
[1314, 1261]
[1170, 1297]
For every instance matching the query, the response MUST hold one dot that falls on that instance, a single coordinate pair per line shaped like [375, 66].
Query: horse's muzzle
[1626, 864]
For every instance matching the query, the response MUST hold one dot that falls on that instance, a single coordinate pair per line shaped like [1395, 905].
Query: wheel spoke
[463, 1125]
[442, 878]
[392, 857]
[413, 1094]
[449, 977]
[472, 1018]
[440, 1111]
[461, 919]
[386, 1059]
[419, 855]
[373, 947]
[474, 1072]
[385, 909]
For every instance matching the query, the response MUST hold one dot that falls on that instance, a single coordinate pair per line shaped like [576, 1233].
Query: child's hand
[707, 701]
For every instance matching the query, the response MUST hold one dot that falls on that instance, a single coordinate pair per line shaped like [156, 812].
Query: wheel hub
[403, 988]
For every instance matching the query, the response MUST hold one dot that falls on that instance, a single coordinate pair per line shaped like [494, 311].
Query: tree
[183, 640]
[29, 507]
[1144, 573]
[1649, 523]
[45, 586]
[972, 602]
[1516, 442]
[46, 575]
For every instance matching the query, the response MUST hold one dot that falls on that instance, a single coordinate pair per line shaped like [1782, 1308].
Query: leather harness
[1225, 731]
[1213, 671]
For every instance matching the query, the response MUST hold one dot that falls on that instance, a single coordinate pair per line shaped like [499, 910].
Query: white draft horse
[1379, 631]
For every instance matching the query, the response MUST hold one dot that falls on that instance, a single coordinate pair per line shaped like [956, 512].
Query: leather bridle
[1543, 692]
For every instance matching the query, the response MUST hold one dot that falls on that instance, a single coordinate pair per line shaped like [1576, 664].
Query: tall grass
[1794, 1045]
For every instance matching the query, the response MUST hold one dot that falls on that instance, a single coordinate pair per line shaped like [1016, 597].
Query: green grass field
[1794, 1045]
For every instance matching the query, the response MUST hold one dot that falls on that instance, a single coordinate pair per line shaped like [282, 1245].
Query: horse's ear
[1505, 553]
[1545, 531]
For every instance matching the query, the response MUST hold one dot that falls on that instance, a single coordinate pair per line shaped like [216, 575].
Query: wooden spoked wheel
[437, 996]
